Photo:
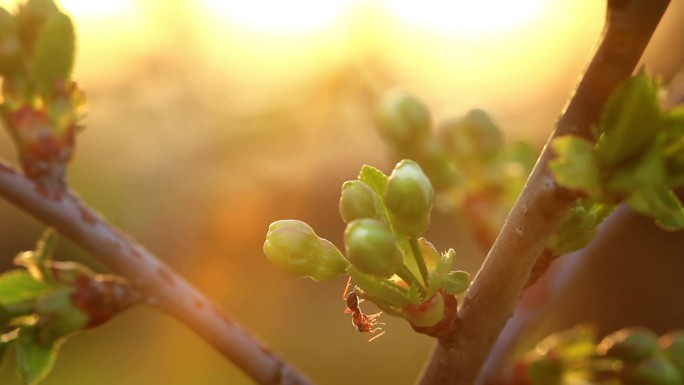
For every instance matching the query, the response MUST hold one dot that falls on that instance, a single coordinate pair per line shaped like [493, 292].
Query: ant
[364, 323]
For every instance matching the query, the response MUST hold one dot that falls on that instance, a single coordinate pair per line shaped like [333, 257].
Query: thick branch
[161, 286]
[495, 291]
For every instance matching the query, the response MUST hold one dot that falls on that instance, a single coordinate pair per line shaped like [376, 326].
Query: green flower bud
[372, 248]
[294, 246]
[403, 118]
[672, 345]
[409, 198]
[427, 313]
[359, 201]
[475, 135]
[653, 371]
[630, 344]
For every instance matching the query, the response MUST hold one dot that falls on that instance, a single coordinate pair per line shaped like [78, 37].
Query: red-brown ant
[364, 323]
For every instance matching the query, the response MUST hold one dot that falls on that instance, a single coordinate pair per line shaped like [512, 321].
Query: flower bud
[409, 198]
[672, 345]
[653, 371]
[403, 118]
[476, 135]
[630, 344]
[372, 248]
[359, 201]
[427, 313]
[294, 246]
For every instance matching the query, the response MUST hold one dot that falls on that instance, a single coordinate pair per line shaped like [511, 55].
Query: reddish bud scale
[102, 297]
[443, 327]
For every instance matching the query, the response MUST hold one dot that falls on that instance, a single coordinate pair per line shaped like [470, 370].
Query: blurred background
[210, 119]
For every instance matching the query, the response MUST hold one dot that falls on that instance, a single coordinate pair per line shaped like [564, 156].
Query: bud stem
[407, 275]
[420, 261]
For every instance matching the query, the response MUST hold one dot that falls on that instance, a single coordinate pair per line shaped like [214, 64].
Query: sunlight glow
[94, 9]
[482, 17]
[278, 16]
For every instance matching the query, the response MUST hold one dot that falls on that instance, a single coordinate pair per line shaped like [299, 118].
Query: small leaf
[661, 204]
[5, 340]
[579, 226]
[34, 361]
[18, 286]
[35, 261]
[576, 166]
[374, 179]
[648, 172]
[630, 120]
[456, 282]
[54, 55]
[380, 289]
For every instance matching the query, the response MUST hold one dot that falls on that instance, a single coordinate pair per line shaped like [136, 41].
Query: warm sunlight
[269, 16]
[89, 8]
[483, 17]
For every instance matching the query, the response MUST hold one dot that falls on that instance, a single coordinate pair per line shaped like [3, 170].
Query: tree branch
[494, 293]
[160, 285]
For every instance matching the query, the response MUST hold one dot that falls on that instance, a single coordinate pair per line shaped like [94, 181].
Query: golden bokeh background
[210, 119]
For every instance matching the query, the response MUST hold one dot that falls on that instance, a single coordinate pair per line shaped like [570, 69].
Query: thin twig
[490, 301]
[161, 286]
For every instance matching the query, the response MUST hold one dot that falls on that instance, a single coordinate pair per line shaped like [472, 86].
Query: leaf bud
[403, 118]
[294, 246]
[372, 248]
[409, 198]
[359, 201]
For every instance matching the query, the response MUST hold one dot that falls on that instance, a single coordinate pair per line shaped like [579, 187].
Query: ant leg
[376, 336]
[346, 289]
[372, 317]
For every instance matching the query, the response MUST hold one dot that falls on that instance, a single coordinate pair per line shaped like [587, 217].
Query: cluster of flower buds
[44, 301]
[631, 356]
[41, 105]
[388, 261]
[465, 158]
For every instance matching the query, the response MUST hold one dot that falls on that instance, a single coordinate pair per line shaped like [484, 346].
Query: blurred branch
[161, 286]
[491, 299]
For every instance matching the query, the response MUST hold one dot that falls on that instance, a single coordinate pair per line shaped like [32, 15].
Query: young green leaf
[374, 179]
[5, 340]
[34, 361]
[661, 204]
[54, 56]
[35, 261]
[382, 290]
[630, 120]
[19, 285]
[456, 282]
[576, 166]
